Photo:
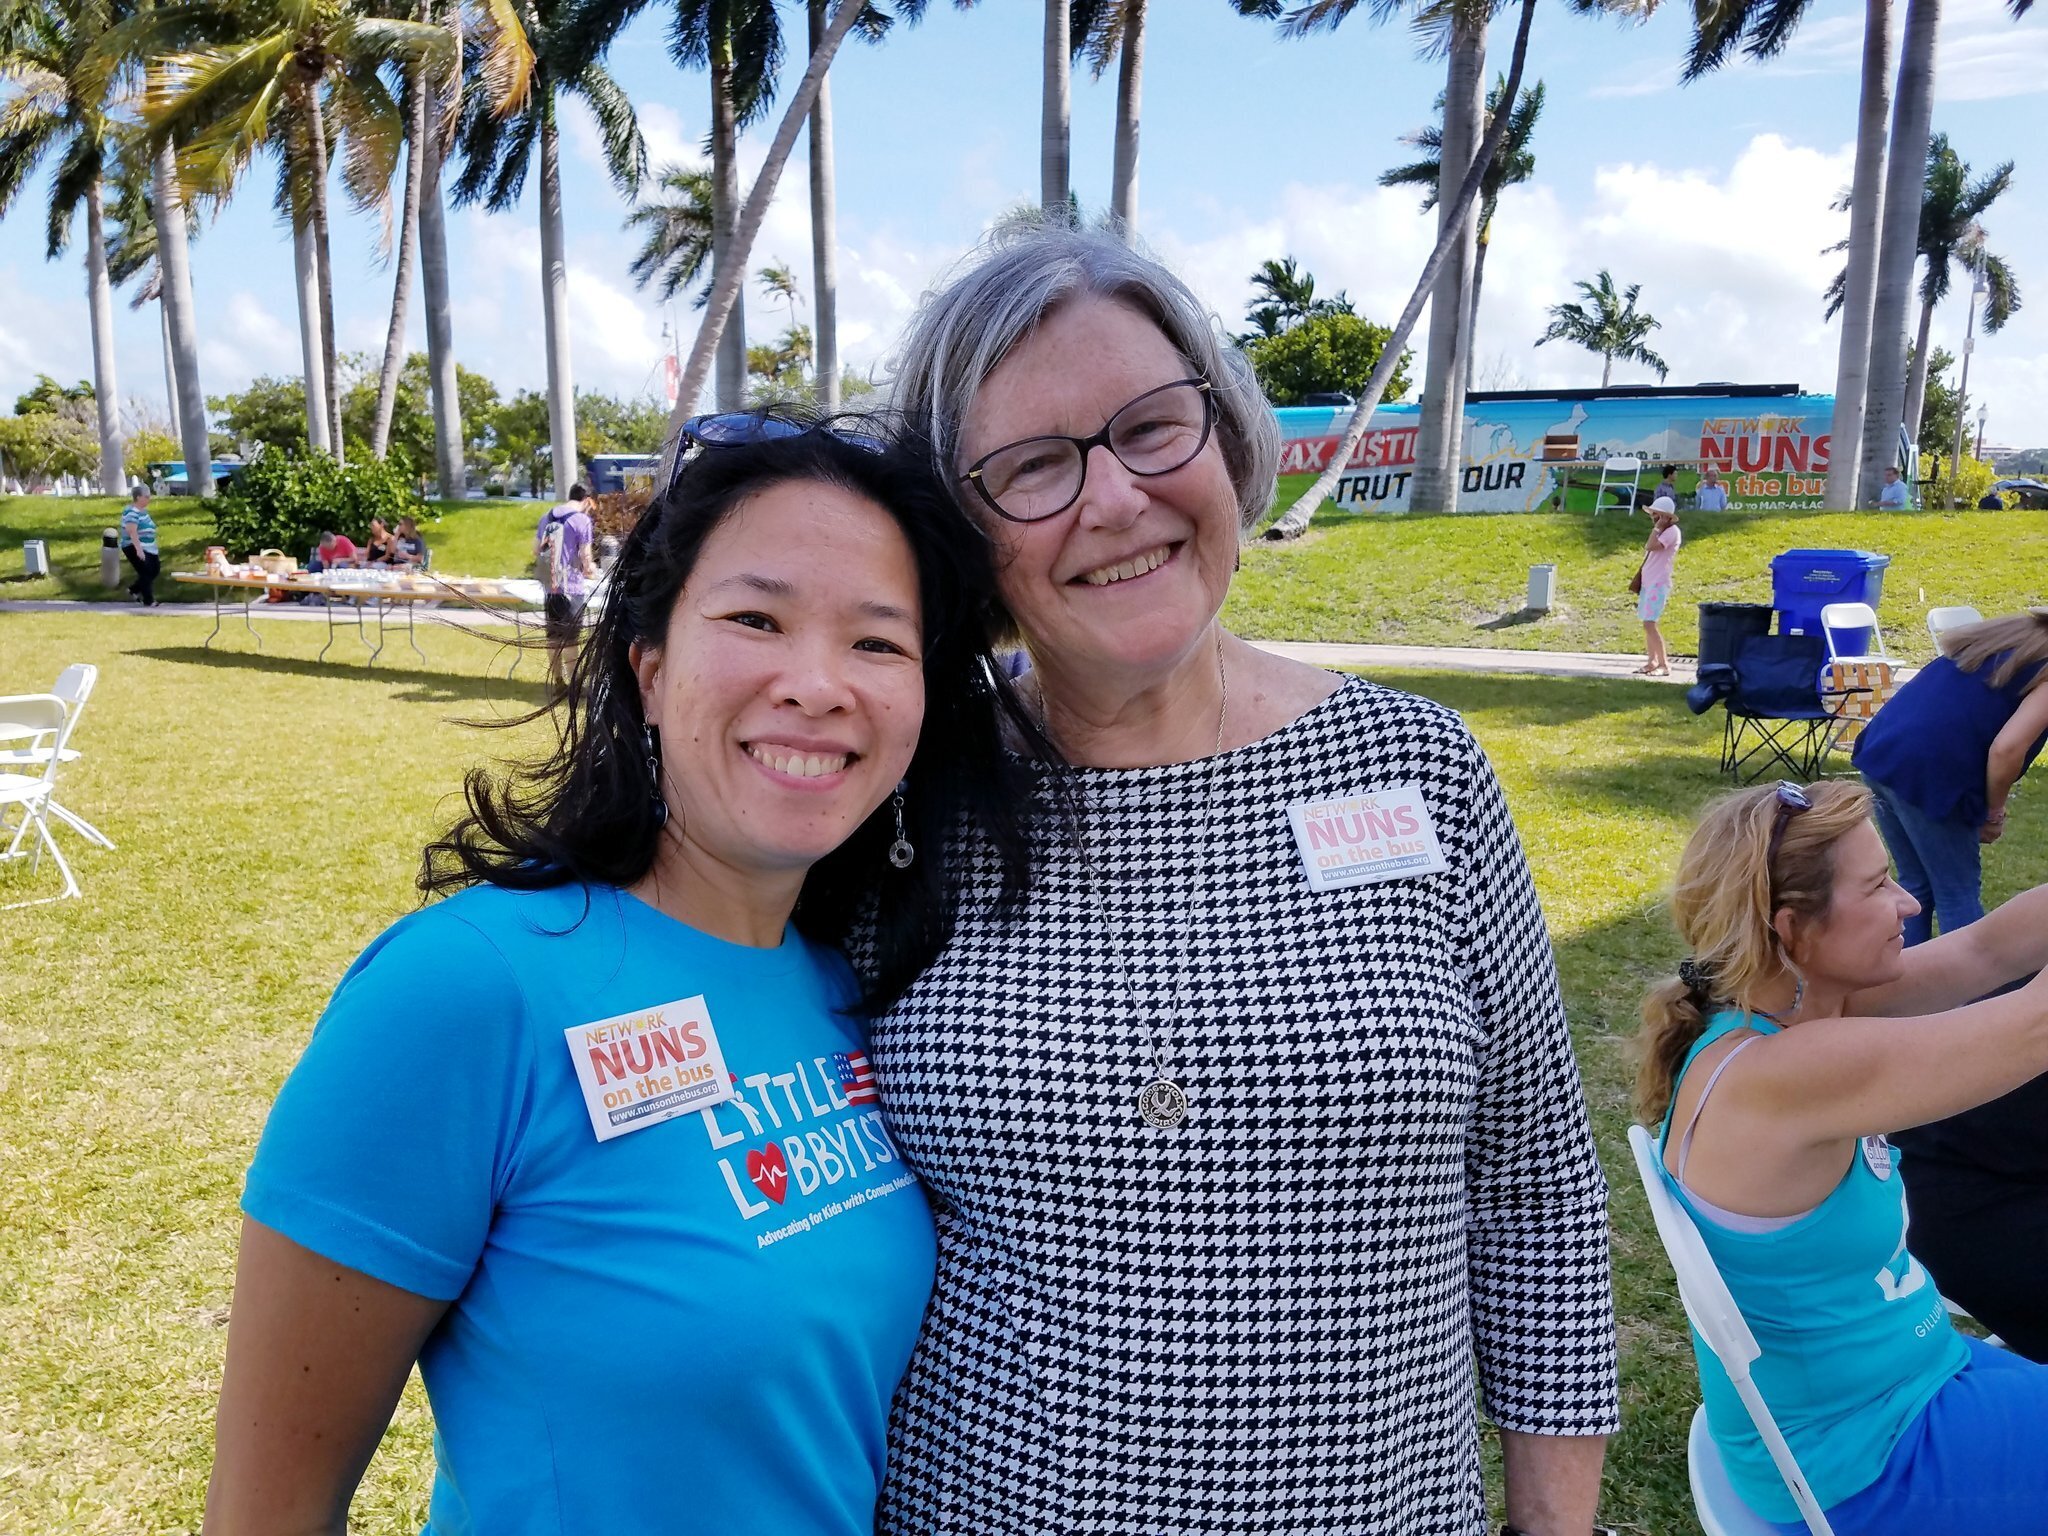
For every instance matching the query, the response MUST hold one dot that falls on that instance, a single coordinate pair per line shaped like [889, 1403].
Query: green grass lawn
[1430, 579]
[1420, 579]
[269, 811]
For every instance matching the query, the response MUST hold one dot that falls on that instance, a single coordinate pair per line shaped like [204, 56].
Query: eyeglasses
[1792, 799]
[1155, 434]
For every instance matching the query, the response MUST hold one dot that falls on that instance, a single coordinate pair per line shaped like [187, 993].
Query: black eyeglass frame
[1089, 444]
[1792, 799]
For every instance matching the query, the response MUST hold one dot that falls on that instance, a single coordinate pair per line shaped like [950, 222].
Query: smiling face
[789, 688]
[1125, 582]
[1860, 939]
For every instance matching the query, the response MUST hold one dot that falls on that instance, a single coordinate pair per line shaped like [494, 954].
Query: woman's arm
[317, 1355]
[2005, 944]
[1826, 1081]
[2007, 759]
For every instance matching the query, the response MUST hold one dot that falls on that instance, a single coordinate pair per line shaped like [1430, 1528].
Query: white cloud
[245, 338]
[1984, 55]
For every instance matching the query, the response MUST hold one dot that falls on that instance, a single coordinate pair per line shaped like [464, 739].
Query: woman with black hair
[595, 1139]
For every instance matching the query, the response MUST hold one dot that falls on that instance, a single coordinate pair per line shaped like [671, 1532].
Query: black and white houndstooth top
[1267, 1319]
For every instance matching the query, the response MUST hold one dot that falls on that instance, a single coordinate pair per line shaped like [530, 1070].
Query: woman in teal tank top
[1800, 1033]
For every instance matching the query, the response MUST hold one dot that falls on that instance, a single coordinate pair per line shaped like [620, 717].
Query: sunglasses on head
[735, 429]
[1792, 799]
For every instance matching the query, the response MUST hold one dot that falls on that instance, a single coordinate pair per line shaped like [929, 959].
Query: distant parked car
[169, 477]
[2033, 494]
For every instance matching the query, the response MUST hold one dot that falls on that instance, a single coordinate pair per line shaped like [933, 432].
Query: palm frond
[2002, 301]
[618, 127]
[372, 133]
[82, 164]
[504, 57]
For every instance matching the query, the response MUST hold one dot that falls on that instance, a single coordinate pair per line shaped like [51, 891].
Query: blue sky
[1714, 197]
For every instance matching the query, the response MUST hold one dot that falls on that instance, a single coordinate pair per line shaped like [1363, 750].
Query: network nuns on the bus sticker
[1877, 1156]
[641, 1068]
[1362, 839]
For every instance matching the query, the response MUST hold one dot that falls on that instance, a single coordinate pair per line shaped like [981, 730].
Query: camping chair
[1612, 472]
[36, 715]
[1777, 714]
[74, 686]
[1722, 1328]
[1863, 682]
[1942, 620]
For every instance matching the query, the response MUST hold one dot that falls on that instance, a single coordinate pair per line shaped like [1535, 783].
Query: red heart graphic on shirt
[770, 1172]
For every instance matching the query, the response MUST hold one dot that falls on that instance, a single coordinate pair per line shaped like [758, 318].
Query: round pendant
[1162, 1104]
[901, 853]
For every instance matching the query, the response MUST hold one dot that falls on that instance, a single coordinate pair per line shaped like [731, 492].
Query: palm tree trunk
[1916, 379]
[312, 350]
[99, 298]
[451, 469]
[1296, 519]
[175, 262]
[163, 316]
[1606, 368]
[1478, 287]
[1130, 69]
[408, 244]
[731, 389]
[1436, 477]
[1859, 289]
[1056, 110]
[323, 266]
[824, 229]
[1905, 186]
[725, 285]
[554, 294]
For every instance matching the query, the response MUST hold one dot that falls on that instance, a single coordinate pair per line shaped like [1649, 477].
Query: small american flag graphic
[856, 1077]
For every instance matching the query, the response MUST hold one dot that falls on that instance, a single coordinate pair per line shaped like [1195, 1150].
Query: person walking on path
[1660, 555]
[564, 556]
[138, 542]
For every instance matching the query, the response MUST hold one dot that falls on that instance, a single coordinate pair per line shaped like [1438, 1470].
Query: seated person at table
[383, 549]
[336, 551]
[408, 548]
[1799, 1034]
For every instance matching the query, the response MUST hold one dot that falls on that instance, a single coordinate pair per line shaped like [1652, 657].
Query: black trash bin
[1723, 627]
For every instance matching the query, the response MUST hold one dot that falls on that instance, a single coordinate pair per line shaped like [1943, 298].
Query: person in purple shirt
[564, 555]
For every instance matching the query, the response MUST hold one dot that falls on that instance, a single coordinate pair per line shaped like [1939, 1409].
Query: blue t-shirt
[1893, 497]
[1711, 498]
[1931, 742]
[1855, 1338]
[693, 1325]
[138, 527]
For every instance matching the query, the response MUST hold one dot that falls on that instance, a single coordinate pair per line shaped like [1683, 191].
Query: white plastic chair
[1834, 616]
[1713, 1313]
[74, 686]
[1611, 474]
[1941, 620]
[33, 794]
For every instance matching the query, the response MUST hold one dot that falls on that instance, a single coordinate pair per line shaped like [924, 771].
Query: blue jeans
[1970, 1465]
[1940, 864]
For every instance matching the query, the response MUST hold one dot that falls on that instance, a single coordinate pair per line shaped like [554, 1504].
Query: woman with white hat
[1653, 583]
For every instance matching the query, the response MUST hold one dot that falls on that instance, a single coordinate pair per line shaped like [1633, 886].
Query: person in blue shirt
[1893, 496]
[1712, 495]
[138, 542]
[1799, 1033]
[595, 1140]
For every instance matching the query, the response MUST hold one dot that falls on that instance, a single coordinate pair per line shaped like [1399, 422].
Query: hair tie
[1694, 977]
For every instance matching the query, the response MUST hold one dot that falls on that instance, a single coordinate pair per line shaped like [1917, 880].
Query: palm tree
[824, 224]
[1283, 295]
[678, 227]
[1898, 241]
[1607, 323]
[779, 282]
[131, 248]
[57, 104]
[230, 77]
[1056, 110]
[1458, 210]
[1951, 210]
[1459, 26]
[502, 138]
[1511, 167]
[1115, 29]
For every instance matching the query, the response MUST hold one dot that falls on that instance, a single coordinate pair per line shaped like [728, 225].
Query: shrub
[284, 501]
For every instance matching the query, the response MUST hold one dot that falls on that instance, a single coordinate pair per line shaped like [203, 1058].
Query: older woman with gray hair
[1253, 1132]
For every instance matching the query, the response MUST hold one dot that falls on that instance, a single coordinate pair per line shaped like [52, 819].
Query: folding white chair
[1864, 678]
[74, 686]
[1713, 1313]
[36, 715]
[1942, 620]
[1612, 473]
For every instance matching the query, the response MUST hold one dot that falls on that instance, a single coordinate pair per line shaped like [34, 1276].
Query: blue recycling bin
[1804, 581]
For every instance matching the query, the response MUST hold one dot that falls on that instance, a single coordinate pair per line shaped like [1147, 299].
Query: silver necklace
[1162, 1102]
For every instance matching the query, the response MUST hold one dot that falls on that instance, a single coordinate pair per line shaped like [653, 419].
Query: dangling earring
[654, 776]
[900, 851]
[1798, 995]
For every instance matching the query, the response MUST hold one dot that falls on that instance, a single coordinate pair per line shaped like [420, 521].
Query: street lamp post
[1979, 286]
[1983, 411]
